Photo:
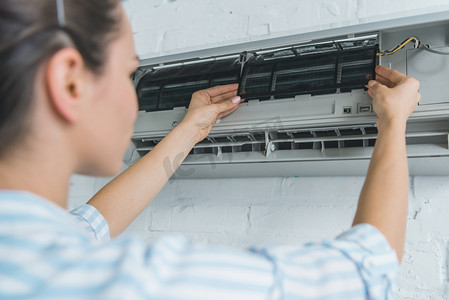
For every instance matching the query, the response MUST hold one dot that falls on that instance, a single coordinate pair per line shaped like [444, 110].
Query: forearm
[122, 200]
[127, 195]
[384, 197]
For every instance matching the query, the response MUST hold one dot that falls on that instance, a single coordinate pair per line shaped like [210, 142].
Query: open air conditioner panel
[308, 113]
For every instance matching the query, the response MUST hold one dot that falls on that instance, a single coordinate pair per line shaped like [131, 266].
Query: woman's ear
[65, 79]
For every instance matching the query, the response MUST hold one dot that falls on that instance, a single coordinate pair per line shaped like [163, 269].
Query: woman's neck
[44, 173]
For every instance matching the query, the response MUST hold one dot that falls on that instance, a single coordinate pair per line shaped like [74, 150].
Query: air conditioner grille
[276, 140]
[292, 144]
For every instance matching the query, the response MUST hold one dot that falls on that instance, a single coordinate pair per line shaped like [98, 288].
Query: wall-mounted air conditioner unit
[307, 110]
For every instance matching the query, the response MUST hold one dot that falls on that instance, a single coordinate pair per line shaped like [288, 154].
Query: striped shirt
[49, 253]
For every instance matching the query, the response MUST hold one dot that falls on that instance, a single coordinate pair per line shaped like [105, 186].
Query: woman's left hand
[209, 105]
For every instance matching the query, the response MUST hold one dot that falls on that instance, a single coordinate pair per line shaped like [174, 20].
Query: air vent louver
[269, 141]
[296, 143]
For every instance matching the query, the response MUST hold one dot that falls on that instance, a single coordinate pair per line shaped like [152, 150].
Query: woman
[67, 106]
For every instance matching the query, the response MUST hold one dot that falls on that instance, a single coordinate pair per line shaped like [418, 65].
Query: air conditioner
[307, 110]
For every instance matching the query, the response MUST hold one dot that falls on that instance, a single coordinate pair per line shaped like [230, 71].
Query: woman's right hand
[384, 197]
[395, 96]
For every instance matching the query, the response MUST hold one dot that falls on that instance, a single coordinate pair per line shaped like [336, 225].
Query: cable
[401, 45]
[417, 43]
[427, 48]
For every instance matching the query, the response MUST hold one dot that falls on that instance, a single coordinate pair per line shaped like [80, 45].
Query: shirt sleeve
[90, 219]
[376, 261]
[358, 264]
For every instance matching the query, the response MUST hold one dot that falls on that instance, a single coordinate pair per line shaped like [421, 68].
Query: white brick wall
[252, 211]
[172, 26]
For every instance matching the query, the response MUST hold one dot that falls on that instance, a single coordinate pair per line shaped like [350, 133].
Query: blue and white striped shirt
[48, 253]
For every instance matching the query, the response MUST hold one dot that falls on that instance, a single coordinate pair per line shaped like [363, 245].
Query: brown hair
[30, 35]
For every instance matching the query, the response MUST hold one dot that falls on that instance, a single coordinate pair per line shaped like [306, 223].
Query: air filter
[170, 87]
[313, 69]
[323, 68]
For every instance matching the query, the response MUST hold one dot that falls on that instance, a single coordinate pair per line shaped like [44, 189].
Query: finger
[392, 75]
[221, 89]
[234, 98]
[223, 114]
[374, 86]
[226, 105]
[385, 81]
[228, 95]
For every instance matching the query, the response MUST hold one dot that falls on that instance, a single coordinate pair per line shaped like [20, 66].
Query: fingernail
[371, 83]
[236, 99]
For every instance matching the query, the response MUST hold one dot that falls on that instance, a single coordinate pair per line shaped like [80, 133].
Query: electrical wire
[428, 49]
[401, 45]
[417, 44]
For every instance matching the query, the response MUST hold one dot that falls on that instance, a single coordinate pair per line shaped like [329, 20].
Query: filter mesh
[319, 69]
[311, 69]
[167, 88]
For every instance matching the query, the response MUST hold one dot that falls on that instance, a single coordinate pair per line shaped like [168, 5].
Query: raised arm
[121, 200]
[384, 198]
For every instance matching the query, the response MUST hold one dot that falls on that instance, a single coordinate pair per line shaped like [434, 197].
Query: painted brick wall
[254, 211]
